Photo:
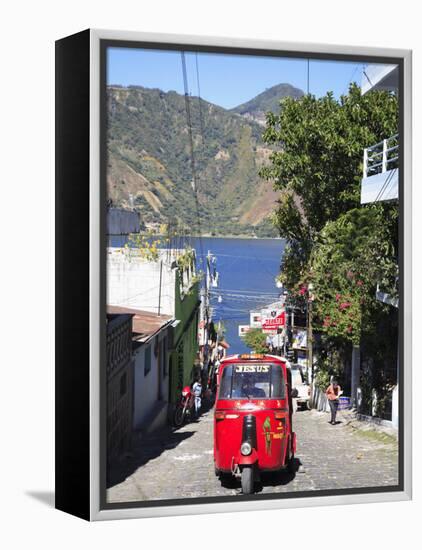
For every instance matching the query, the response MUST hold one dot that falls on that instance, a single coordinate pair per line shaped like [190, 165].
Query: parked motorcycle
[185, 407]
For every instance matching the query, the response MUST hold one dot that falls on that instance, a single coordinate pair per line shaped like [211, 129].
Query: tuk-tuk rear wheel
[247, 480]
[291, 464]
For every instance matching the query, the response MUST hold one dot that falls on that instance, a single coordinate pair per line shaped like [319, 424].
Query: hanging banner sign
[273, 319]
[243, 329]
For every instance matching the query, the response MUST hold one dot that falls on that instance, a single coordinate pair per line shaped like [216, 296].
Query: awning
[224, 344]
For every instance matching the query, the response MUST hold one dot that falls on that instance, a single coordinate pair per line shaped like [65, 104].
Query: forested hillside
[149, 163]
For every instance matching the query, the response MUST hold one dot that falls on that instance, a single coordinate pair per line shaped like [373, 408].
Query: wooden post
[355, 376]
[309, 342]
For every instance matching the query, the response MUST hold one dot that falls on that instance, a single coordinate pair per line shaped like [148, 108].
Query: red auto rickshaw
[253, 418]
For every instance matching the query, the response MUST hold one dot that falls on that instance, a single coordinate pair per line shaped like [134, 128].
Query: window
[147, 358]
[123, 385]
[255, 381]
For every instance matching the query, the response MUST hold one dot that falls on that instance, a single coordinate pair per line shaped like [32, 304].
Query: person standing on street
[333, 393]
[197, 392]
[269, 343]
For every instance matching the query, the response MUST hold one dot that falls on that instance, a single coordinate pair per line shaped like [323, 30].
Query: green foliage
[343, 249]
[351, 255]
[318, 167]
[186, 260]
[330, 361]
[145, 245]
[221, 330]
[322, 379]
[149, 157]
[255, 340]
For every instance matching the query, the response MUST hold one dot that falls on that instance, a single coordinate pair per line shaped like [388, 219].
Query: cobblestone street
[179, 464]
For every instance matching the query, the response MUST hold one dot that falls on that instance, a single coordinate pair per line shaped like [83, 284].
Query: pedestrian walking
[197, 392]
[333, 393]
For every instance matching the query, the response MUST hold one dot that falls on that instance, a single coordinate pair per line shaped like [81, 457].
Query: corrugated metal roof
[144, 323]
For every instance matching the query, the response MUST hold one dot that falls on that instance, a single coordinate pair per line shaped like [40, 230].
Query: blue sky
[226, 80]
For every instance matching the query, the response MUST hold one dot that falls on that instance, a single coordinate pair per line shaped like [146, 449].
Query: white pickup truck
[302, 393]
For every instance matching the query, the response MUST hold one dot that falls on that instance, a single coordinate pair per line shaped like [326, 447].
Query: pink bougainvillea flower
[344, 305]
[338, 296]
[349, 329]
[359, 282]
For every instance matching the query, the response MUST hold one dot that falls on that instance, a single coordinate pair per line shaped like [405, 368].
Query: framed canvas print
[233, 277]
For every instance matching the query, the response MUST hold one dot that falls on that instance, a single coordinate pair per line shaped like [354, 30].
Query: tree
[255, 340]
[352, 254]
[333, 242]
[318, 165]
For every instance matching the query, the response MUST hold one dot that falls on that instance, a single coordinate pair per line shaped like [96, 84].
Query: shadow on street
[267, 479]
[145, 449]
[273, 479]
[152, 446]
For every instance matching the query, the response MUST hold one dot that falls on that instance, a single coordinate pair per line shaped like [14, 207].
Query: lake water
[247, 269]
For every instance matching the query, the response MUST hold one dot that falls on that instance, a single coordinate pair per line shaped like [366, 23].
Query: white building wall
[134, 282]
[145, 387]
[380, 77]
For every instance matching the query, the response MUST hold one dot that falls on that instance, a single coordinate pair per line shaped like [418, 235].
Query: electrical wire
[384, 186]
[346, 89]
[192, 155]
[245, 257]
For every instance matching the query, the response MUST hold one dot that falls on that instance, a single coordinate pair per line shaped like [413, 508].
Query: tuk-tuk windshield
[263, 381]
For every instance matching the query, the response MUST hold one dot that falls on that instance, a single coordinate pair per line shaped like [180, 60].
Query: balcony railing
[381, 157]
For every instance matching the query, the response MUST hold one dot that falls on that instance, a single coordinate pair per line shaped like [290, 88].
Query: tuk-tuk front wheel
[247, 480]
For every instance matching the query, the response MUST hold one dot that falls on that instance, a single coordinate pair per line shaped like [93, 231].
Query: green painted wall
[186, 340]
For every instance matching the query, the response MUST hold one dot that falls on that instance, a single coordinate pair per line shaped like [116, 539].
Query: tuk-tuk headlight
[246, 448]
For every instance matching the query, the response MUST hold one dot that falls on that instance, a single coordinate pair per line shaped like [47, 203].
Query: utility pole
[309, 339]
[355, 382]
[159, 291]
[205, 303]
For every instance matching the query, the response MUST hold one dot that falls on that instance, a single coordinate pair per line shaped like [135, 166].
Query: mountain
[269, 100]
[150, 169]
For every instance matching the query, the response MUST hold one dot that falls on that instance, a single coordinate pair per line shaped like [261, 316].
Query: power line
[384, 186]
[265, 300]
[272, 275]
[201, 122]
[246, 290]
[307, 80]
[350, 79]
[245, 257]
[367, 78]
[192, 155]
